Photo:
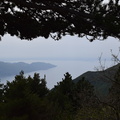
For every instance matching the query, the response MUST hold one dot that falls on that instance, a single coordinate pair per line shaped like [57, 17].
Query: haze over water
[54, 75]
[71, 54]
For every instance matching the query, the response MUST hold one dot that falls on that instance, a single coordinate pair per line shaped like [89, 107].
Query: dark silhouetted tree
[23, 98]
[1, 92]
[68, 98]
[28, 19]
[61, 97]
[86, 94]
[90, 107]
[114, 96]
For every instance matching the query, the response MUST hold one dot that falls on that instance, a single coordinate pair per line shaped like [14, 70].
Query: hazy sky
[67, 48]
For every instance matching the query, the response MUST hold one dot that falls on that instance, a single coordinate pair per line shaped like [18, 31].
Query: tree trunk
[117, 115]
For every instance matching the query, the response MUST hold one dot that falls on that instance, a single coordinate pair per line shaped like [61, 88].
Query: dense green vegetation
[30, 99]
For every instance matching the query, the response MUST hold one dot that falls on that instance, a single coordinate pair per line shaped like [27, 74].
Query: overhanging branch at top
[29, 19]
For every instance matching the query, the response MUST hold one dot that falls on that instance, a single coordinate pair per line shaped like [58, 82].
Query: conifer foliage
[28, 98]
[28, 19]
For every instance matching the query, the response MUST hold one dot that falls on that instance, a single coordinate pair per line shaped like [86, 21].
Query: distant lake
[54, 75]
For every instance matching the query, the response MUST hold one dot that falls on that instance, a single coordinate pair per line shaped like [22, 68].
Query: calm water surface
[54, 75]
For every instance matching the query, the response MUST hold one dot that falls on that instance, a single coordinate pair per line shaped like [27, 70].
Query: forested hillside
[101, 80]
[28, 98]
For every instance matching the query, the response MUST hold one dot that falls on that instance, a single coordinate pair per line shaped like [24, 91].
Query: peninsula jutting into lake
[8, 69]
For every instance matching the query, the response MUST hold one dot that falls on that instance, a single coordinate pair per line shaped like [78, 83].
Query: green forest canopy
[29, 19]
[28, 98]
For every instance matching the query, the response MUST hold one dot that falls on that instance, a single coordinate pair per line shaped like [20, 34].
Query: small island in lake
[9, 69]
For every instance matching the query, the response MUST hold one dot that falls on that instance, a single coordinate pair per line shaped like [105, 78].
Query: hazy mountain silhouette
[8, 69]
[101, 80]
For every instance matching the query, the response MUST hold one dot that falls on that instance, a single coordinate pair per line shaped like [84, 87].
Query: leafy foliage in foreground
[28, 19]
[30, 99]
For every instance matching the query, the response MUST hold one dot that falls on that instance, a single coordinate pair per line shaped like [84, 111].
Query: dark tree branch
[92, 18]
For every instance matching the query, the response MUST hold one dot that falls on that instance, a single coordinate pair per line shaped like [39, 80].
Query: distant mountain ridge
[9, 69]
[101, 80]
